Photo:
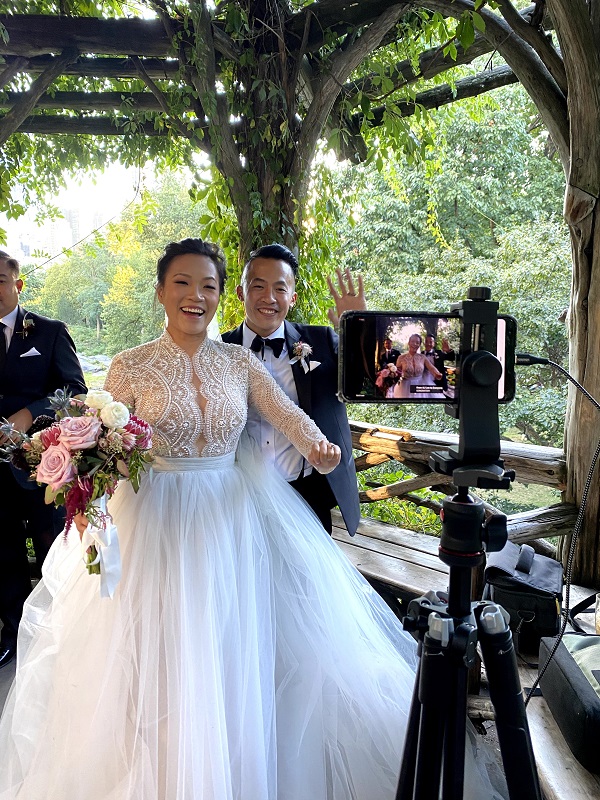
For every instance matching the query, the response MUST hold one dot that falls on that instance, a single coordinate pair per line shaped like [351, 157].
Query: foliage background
[480, 205]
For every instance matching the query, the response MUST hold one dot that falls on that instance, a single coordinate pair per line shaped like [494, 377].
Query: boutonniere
[301, 352]
[28, 325]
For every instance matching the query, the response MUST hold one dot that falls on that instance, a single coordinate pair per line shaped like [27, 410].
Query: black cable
[526, 359]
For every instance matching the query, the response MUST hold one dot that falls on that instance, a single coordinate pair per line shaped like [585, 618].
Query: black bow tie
[258, 345]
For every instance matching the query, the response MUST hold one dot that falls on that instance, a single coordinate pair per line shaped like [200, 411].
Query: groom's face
[10, 287]
[267, 291]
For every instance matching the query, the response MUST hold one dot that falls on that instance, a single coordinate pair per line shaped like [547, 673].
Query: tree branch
[330, 16]
[328, 85]
[527, 66]
[12, 69]
[21, 110]
[538, 41]
[443, 95]
[179, 125]
[215, 106]
[431, 63]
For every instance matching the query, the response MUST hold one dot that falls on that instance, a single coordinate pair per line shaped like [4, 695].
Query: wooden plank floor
[403, 560]
[407, 563]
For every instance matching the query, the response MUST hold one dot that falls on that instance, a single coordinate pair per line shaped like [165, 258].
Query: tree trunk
[582, 428]
[577, 25]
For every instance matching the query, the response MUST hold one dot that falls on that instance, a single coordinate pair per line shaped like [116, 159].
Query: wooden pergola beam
[89, 101]
[35, 35]
[145, 101]
[39, 35]
[91, 126]
[99, 67]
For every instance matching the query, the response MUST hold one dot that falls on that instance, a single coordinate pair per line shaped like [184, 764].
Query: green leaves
[465, 30]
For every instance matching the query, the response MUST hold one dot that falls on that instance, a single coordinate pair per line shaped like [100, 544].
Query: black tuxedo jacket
[388, 358]
[439, 359]
[27, 380]
[317, 397]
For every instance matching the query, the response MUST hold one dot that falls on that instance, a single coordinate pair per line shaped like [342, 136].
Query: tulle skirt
[241, 658]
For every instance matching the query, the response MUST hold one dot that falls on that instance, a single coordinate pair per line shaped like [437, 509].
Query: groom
[37, 356]
[303, 359]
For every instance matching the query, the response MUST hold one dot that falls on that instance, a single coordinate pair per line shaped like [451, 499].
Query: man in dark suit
[37, 356]
[439, 358]
[303, 359]
[388, 354]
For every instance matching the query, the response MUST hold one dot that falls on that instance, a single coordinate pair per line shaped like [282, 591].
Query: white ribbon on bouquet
[106, 542]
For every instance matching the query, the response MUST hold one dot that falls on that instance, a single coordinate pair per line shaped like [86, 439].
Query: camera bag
[571, 687]
[529, 587]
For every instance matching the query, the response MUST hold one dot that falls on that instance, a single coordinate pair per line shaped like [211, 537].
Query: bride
[242, 657]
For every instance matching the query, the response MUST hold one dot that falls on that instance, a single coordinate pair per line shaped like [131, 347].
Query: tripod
[448, 631]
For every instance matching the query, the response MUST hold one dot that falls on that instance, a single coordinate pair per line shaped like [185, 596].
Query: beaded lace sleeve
[276, 407]
[118, 384]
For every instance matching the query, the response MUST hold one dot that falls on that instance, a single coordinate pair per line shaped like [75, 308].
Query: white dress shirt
[9, 322]
[276, 448]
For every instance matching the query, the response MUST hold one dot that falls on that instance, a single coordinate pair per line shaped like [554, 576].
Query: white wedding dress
[241, 658]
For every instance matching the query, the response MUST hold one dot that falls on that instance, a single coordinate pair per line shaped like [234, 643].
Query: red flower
[77, 498]
[49, 436]
[141, 430]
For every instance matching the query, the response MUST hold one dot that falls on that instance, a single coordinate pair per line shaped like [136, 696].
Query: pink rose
[141, 430]
[50, 435]
[55, 467]
[79, 433]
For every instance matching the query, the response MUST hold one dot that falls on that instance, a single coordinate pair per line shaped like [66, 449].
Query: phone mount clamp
[449, 627]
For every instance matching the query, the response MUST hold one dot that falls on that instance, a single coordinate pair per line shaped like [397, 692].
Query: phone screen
[407, 357]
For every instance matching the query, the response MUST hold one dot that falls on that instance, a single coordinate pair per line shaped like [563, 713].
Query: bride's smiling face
[190, 295]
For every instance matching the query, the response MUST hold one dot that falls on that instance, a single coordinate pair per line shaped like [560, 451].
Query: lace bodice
[412, 366]
[156, 381]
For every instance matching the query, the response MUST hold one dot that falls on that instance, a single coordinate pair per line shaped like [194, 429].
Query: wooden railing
[532, 464]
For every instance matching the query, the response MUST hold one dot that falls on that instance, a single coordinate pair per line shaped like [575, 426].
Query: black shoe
[7, 653]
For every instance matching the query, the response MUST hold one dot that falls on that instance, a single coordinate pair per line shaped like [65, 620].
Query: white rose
[98, 398]
[114, 415]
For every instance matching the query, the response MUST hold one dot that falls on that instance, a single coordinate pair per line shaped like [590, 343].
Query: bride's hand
[81, 523]
[324, 456]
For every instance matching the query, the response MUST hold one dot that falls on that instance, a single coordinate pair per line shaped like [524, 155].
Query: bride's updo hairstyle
[196, 247]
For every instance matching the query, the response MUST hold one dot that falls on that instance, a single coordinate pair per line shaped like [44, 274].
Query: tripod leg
[423, 750]
[506, 696]
[429, 758]
[435, 678]
[406, 781]
[454, 741]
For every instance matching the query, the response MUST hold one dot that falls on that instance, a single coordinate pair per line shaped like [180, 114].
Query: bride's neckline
[168, 339]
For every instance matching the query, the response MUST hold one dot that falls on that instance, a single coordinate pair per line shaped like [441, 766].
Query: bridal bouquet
[80, 455]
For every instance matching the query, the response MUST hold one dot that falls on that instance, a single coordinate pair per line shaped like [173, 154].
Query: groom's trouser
[24, 514]
[315, 489]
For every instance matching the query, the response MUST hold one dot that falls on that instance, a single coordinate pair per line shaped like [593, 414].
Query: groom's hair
[196, 247]
[278, 252]
[12, 263]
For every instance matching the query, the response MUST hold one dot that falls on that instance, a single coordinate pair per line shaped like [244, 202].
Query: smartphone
[413, 357]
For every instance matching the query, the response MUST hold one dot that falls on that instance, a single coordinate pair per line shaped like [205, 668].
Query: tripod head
[475, 461]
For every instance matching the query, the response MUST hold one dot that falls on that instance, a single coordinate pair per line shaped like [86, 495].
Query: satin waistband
[164, 464]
